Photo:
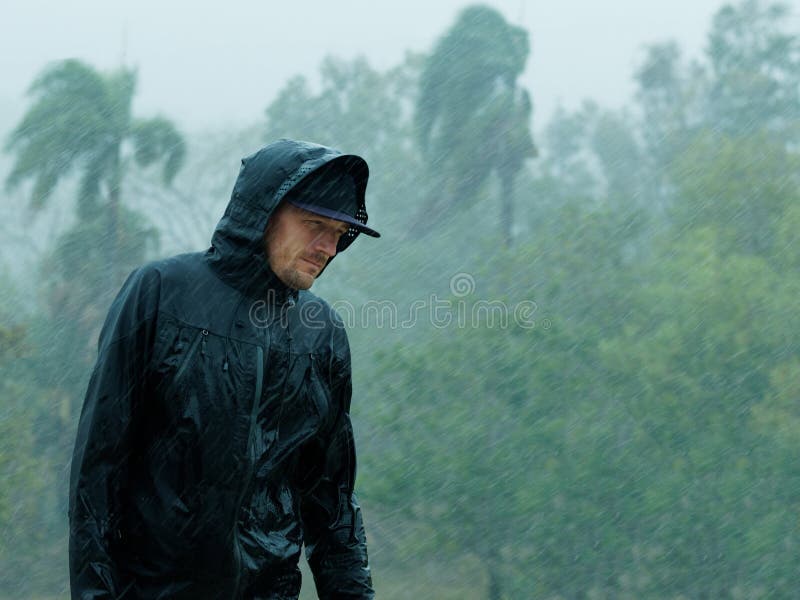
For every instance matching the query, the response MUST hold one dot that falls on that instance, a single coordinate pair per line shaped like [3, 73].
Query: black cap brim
[335, 214]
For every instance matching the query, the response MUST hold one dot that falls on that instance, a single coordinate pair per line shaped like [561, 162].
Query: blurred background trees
[79, 127]
[632, 437]
[471, 118]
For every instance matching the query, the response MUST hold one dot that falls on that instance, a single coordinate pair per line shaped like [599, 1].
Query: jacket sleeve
[336, 546]
[98, 475]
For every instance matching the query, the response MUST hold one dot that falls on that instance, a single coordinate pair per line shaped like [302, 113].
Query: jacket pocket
[174, 384]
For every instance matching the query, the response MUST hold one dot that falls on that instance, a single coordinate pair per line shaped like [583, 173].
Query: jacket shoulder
[185, 280]
[178, 269]
[189, 291]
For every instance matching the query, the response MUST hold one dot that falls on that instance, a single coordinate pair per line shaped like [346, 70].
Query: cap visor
[335, 214]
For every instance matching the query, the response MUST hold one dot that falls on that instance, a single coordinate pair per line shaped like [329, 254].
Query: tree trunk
[506, 207]
[114, 209]
[434, 212]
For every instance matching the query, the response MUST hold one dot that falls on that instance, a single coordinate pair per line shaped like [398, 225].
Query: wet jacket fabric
[215, 438]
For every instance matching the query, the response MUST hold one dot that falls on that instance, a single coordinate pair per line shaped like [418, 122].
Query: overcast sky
[206, 64]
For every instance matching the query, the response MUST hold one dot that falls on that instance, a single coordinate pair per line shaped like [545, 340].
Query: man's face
[299, 243]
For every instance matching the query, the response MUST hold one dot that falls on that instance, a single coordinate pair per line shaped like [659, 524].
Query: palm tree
[81, 120]
[80, 124]
[471, 117]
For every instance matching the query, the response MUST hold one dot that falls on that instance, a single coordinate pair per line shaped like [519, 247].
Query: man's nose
[326, 243]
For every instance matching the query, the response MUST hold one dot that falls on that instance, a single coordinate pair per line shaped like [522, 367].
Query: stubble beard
[297, 279]
[301, 281]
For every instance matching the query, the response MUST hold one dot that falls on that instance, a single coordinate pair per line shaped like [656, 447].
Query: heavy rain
[574, 349]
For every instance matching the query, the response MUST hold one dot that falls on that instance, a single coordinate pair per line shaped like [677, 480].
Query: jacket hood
[265, 177]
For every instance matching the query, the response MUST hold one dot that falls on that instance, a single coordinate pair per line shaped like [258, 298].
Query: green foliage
[463, 496]
[357, 107]
[471, 118]
[15, 453]
[755, 66]
[76, 295]
[748, 88]
[25, 471]
[592, 155]
[640, 446]
[78, 123]
[743, 186]
[671, 98]
[480, 52]
[69, 123]
[79, 120]
[155, 139]
[694, 365]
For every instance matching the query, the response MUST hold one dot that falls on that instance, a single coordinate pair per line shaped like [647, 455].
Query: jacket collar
[249, 274]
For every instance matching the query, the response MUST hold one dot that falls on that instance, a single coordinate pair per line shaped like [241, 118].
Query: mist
[574, 347]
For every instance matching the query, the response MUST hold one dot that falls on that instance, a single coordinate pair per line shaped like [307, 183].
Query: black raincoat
[215, 437]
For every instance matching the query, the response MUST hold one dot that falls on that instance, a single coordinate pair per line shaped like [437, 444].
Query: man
[215, 437]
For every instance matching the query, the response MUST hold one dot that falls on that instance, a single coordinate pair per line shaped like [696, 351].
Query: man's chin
[300, 280]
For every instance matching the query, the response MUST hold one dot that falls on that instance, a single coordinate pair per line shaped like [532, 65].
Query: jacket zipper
[251, 458]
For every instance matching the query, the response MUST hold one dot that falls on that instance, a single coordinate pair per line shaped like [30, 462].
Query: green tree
[703, 366]
[449, 467]
[82, 120]
[742, 186]
[25, 469]
[472, 119]
[79, 126]
[747, 85]
[755, 70]
[491, 438]
[593, 155]
[357, 107]
[671, 98]
[641, 447]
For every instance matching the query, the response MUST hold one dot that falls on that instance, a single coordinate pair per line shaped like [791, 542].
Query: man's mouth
[317, 265]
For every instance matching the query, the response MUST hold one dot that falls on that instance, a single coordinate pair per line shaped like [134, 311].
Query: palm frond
[66, 122]
[157, 139]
